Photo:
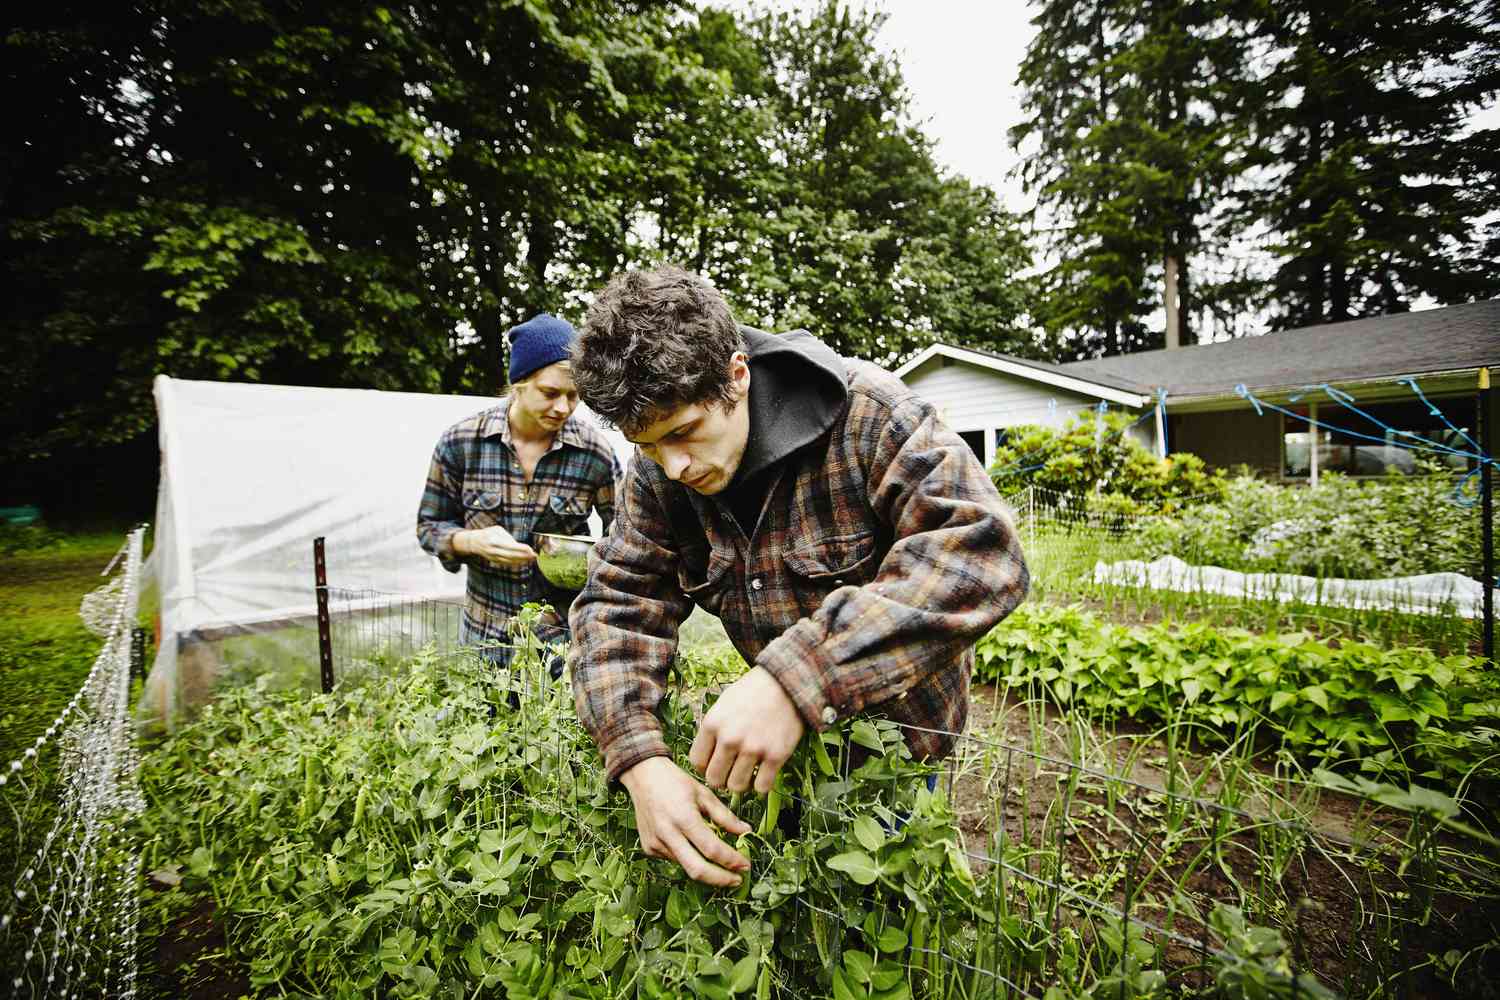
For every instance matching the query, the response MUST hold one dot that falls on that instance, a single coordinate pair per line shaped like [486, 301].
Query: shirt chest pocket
[822, 565]
[703, 574]
[564, 514]
[482, 508]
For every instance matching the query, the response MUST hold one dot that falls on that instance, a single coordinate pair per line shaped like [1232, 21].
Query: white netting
[1429, 593]
[68, 922]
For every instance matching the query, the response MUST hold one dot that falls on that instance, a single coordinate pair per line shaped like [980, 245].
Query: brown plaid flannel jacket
[884, 552]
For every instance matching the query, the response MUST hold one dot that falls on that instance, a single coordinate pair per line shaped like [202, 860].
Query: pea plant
[415, 835]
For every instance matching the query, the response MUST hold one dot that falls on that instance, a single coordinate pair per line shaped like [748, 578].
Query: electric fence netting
[68, 922]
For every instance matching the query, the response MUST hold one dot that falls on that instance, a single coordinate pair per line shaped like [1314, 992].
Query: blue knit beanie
[540, 341]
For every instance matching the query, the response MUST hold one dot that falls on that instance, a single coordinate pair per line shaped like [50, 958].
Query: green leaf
[846, 989]
[863, 732]
[868, 832]
[858, 964]
[1315, 694]
[742, 976]
[678, 909]
[857, 865]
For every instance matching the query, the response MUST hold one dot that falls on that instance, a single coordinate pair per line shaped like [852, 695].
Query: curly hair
[655, 341]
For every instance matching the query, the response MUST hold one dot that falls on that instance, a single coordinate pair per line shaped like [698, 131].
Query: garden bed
[1093, 829]
[1126, 813]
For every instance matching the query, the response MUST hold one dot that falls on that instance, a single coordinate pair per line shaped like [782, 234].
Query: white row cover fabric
[251, 474]
[1425, 594]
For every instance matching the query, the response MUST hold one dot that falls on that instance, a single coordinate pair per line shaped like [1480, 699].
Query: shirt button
[757, 583]
[838, 583]
[829, 716]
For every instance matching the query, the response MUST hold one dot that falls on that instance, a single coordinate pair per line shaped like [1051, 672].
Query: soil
[191, 961]
[1329, 879]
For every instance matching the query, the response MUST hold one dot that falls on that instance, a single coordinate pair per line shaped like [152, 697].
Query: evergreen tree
[1372, 187]
[1131, 146]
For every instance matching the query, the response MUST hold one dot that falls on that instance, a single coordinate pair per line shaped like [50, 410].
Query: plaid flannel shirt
[476, 481]
[883, 553]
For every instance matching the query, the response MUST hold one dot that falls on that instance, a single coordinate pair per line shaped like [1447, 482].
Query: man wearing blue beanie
[525, 466]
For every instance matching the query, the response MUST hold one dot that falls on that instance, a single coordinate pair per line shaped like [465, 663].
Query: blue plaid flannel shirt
[476, 481]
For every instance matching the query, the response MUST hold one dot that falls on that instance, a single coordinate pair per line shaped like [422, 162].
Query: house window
[1356, 454]
[975, 441]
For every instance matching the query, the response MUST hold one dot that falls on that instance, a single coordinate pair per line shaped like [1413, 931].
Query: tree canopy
[353, 195]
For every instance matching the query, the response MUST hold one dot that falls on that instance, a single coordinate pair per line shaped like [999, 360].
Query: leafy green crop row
[1402, 712]
[416, 837]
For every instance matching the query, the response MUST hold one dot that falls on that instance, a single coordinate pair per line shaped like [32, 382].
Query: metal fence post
[1030, 519]
[325, 641]
[1487, 512]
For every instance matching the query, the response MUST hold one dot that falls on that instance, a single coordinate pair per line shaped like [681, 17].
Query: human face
[545, 401]
[701, 445]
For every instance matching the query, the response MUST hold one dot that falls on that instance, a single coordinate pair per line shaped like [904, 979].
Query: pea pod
[820, 755]
[359, 804]
[763, 984]
[743, 846]
[773, 809]
[309, 776]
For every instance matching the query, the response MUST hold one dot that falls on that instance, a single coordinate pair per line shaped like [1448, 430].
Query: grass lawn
[45, 652]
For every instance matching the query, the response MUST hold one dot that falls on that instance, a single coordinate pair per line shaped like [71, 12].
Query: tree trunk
[1170, 301]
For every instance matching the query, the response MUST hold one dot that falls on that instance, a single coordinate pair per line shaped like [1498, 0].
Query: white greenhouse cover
[1425, 594]
[251, 474]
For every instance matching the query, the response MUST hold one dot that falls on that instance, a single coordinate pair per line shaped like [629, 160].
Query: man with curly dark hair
[851, 544]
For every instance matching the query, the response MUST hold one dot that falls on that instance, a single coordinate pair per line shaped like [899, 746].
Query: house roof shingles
[1451, 339]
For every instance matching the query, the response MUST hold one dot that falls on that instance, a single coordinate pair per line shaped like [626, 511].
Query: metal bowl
[564, 559]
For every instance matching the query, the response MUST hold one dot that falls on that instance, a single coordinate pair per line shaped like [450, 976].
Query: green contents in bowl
[564, 559]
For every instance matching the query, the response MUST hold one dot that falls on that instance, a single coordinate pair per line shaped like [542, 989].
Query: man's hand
[749, 733]
[669, 811]
[495, 546]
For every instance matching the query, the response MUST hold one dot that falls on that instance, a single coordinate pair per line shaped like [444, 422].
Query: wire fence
[372, 628]
[68, 923]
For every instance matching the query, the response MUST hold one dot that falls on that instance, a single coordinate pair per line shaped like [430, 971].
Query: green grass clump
[45, 651]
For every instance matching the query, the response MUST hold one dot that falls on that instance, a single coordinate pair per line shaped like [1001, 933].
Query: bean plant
[1398, 713]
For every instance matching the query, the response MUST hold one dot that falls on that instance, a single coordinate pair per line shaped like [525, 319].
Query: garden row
[1394, 714]
[413, 835]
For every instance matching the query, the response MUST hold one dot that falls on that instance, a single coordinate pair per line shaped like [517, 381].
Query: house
[1364, 390]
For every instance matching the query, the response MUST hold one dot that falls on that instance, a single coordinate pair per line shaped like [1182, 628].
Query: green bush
[1398, 525]
[19, 539]
[1093, 464]
[416, 836]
